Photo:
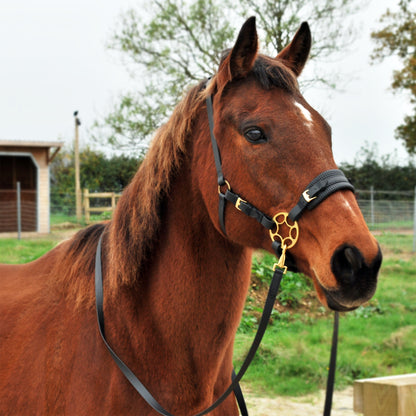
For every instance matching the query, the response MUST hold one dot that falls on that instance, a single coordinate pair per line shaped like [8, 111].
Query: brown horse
[174, 282]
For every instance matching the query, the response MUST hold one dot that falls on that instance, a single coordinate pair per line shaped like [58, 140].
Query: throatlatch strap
[137, 384]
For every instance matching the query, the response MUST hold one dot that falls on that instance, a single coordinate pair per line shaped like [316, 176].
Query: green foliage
[398, 37]
[378, 339]
[369, 310]
[177, 43]
[98, 173]
[382, 172]
[294, 286]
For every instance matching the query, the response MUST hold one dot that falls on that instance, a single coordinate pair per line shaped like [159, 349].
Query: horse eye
[255, 135]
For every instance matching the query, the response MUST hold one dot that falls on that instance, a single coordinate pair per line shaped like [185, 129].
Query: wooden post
[78, 208]
[113, 202]
[87, 205]
[386, 396]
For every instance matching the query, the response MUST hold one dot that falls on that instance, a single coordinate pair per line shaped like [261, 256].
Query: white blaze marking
[306, 113]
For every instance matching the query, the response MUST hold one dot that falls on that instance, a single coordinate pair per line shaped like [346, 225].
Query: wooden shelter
[26, 162]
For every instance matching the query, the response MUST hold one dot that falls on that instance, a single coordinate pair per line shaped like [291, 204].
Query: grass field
[378, 339]
[13, 251]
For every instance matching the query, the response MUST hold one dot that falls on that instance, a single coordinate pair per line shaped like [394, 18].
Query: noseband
[319, 189]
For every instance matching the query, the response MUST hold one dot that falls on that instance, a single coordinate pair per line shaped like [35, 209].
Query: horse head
[273, 144]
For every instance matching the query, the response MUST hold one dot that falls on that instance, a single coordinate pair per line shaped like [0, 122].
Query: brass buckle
[307, 197]
[239, 201]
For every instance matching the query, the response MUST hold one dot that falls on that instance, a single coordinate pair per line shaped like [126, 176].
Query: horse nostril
[356, 277]
[347, 261]
[354, 260]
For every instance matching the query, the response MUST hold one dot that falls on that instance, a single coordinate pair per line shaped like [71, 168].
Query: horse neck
[210, 274]
[195, 282]
[190, 244]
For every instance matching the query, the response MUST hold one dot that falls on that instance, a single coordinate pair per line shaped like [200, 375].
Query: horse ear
[296, 53]
[244, 52]
[241, 59]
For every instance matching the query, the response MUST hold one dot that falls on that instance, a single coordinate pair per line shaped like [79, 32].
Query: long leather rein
[284, 232]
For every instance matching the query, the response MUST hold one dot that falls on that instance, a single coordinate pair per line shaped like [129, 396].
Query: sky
[54, 60]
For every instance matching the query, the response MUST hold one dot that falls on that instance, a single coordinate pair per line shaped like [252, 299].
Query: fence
[382, 210]
[388, 209]
[103, 202]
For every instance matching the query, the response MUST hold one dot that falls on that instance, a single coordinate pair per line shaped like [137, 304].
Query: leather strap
[319, 189]
[215, 149]
[332, 367]
[249, 209]
[99, 299]
[239, 397]
[138, 385]
[230, 196]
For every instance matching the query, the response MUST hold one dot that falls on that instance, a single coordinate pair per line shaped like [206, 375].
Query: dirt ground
[311, 405]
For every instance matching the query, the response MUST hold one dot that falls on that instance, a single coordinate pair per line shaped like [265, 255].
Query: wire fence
[385, 210]
[382, 210]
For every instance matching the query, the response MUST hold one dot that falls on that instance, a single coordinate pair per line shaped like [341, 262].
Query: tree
[398, 37]
[98, 174]
[181, 41]
[383, 172]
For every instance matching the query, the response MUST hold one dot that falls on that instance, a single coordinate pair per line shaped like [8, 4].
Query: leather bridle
[284, 232]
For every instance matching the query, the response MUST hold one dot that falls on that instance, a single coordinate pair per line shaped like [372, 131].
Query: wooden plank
[100, 209]
[386, 396]
[101, 195]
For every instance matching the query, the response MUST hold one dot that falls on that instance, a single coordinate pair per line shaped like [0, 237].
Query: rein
[284, 232]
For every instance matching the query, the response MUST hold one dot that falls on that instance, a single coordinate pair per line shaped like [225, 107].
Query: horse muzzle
[357, 279]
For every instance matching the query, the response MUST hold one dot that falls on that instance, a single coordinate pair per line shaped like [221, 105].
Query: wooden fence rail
[100, 195]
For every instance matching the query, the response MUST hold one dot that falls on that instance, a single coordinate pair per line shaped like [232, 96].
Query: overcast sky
[53, 60]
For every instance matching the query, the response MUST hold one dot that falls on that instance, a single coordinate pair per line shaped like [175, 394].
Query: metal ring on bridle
[227, 184]
[281, 219]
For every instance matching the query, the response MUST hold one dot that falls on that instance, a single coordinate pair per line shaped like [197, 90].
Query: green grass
[60, 217]
[403, 225]
[378, 339]
[13, 251]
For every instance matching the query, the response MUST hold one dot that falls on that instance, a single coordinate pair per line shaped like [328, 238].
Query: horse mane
[136, 221]
[130, 237]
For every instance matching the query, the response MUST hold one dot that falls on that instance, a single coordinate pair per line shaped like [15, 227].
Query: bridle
[284, 233]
